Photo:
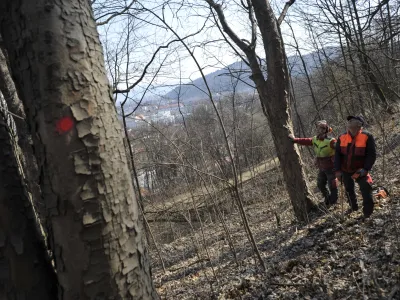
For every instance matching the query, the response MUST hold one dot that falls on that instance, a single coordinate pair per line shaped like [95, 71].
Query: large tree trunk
[28, 160]
[92, 215]
[274, 94]
[25, 269]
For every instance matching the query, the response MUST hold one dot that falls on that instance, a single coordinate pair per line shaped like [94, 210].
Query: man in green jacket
[324, 148]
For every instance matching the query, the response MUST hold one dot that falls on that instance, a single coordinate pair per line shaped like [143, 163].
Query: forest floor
[183, 201]
[330, 257]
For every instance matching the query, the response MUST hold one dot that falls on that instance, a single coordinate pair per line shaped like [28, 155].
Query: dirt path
[182, 201]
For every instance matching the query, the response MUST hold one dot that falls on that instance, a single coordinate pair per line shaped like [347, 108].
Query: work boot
[367, 220]
[327, 200]
[350, 211]
[353, 206]
[332, 201]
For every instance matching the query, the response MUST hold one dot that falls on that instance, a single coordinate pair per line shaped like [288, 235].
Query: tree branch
[372, 15]
[249, 50]
[253, 25]
[217, 7]
[391, 58]
[117, 91]
[284, 11]
[147, 88]
[228, 41]
[114, 14]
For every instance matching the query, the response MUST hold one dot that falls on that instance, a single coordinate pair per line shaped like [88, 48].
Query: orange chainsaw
[380, 192]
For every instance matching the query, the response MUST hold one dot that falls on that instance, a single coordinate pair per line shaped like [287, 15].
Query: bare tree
[362, 31]
[273, 92]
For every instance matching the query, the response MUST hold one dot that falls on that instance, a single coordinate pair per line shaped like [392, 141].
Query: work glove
[291, 137]
[359, 173]
[338, 176]
[362, 172]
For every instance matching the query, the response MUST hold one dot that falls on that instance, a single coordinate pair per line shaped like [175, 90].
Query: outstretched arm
[301, 141]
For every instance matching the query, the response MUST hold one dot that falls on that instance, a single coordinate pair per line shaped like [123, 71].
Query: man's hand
[291, 137]
[362, 172]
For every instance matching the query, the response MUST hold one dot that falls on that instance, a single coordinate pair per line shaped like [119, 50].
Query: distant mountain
[237, 74]
[220, 81]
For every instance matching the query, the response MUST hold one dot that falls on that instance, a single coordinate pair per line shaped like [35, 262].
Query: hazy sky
[148, 33]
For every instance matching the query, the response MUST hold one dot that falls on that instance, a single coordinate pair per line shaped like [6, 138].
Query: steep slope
[331, 257]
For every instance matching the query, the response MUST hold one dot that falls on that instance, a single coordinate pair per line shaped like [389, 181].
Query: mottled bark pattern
[274, 96]
[58, 67]
[25, 271]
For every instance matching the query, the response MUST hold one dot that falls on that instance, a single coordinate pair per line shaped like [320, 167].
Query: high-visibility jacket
[324, 150]
[354, 153]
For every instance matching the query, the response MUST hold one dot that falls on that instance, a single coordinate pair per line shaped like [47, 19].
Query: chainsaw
[378, 192]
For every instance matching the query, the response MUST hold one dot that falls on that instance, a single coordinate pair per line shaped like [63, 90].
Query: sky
[174, 65]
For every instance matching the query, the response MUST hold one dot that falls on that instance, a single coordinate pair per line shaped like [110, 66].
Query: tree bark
[16, 108]
[274, 93]
[25, 269]
[92, 215]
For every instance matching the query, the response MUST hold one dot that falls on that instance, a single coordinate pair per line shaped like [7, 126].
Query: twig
[9, 112]
[189, 265]
[127, 90]
[380, 290]
[394, 291]
[355, 280]
[115, 14]
[286, 284]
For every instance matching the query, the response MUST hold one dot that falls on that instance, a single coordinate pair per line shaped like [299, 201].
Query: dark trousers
[366, 192]
[324, 177]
